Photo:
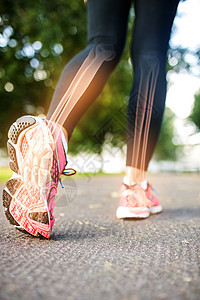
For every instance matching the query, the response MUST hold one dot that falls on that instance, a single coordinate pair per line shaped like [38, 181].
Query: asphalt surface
[92, 255]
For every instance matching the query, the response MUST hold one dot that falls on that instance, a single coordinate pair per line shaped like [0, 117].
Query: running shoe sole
[24, 198]
[155, 209]
[132, 212]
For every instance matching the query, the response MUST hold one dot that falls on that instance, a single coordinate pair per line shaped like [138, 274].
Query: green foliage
[5, 174]
[37, 41]
[180, 59]
[195, 115]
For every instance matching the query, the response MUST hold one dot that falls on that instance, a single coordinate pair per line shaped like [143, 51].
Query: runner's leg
[151, 35]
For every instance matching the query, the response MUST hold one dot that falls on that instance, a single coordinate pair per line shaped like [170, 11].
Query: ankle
[134, 175]
[142, 183]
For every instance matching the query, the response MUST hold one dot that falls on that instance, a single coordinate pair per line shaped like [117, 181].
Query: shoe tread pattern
[13, 134]
[16, 128]
[12, 185]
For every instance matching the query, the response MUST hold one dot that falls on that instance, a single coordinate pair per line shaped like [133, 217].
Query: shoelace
[67, 172]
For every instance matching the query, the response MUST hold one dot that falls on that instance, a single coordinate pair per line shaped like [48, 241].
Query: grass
[5, 174]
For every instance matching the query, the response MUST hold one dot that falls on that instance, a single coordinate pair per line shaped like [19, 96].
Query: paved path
[91, 255]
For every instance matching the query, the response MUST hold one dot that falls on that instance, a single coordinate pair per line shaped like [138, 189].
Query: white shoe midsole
[155, 209]
[132, 212]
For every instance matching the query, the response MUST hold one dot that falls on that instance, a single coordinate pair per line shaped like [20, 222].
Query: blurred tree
[195, 114]
[37, 39]
[183, 59]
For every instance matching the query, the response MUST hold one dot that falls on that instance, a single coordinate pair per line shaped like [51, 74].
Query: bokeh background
[37, 39]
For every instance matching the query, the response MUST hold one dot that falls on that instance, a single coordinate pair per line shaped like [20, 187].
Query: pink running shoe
[133, 202]
[37, 163]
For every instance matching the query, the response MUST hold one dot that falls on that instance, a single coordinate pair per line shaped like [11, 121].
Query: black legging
[107, 23]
